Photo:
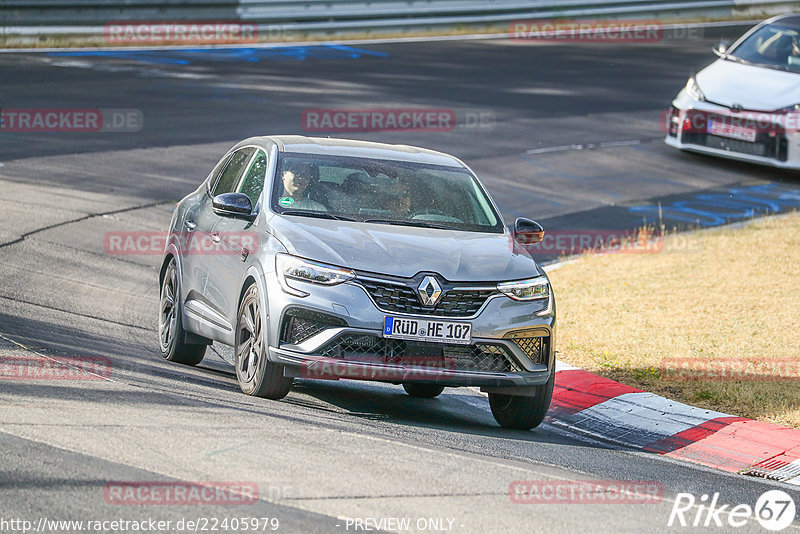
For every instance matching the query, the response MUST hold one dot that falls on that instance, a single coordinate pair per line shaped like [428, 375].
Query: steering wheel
[435, 216]
[430, 212]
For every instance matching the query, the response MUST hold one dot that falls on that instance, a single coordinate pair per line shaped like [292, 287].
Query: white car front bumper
[777, 141]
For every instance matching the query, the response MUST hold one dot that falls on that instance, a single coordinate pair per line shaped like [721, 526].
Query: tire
[172, 336]
[257, 376]
[522, 413]
[423, 391]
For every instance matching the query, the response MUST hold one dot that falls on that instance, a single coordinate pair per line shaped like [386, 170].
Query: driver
[296, 182]
[400, 201]
[787, 49]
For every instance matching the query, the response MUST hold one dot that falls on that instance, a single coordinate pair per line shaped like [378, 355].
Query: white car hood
[758, 88]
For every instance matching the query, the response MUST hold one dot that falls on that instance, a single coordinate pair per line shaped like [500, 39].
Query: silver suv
[332, 258]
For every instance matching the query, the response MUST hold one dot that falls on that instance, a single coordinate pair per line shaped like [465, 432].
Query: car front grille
[300, 324]
[374, 349]
[769, 143]
[761, 149]
[403, 299]
[536, 348]
[481, 357]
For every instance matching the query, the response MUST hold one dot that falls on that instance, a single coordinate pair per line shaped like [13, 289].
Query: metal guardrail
[99, 12]
[453, 12]
[274, 10]
[89, 16]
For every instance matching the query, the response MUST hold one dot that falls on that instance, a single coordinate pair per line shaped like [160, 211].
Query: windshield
[775, 46]
[382, 192]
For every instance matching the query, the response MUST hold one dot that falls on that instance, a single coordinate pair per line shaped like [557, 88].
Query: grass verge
[712, 320]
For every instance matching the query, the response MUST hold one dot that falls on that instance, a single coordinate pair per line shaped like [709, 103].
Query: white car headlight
[693, 90]
[790, 109]
[290, 268]
[531, 289]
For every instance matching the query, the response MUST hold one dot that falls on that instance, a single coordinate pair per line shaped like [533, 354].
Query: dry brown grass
[709, 295]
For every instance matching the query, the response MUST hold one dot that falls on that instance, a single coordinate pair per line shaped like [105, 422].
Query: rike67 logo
[774, 510]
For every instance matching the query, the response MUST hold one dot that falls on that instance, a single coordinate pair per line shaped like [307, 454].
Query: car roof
[792, 19]
[355, 148]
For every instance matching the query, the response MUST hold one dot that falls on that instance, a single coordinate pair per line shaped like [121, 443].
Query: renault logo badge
[429, 291]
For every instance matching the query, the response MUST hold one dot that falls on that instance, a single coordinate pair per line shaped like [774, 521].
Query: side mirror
[233, 205]
[721, 48]
[528, 232]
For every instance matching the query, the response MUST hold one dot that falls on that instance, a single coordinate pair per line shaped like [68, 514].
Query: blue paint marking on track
[238, 54]
[715, 209]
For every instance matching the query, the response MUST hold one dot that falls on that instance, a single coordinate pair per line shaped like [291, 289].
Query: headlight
[693, 90]
[532, 289]
[290, 268]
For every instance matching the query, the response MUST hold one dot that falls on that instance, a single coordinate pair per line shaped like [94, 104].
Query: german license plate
[732, 131]
[427, 330]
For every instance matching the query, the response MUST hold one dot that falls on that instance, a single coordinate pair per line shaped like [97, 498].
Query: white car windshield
[383, 192]
[774, 45]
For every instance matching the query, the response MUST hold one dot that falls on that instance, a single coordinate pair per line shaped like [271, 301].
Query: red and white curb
[622, 414]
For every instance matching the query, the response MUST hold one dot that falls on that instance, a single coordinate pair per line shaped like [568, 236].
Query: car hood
[759, 88]
[405, 250]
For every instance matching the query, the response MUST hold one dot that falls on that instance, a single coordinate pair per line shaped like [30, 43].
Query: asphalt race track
[566, 133]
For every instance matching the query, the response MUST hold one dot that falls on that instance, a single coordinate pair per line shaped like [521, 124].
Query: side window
[230, 176]
[212, 177]
[253, 182]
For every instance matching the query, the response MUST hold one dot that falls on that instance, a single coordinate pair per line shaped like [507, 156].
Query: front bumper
[775, 144]
[511, 346]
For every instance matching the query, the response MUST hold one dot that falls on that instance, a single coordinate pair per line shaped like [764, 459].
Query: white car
[745, 105]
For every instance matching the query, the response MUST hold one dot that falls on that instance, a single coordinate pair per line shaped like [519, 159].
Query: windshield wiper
[741, 60]
[774, 66]
[421, 224]
[317, 214]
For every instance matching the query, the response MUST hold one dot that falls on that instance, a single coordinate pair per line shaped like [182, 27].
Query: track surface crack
[88, 216]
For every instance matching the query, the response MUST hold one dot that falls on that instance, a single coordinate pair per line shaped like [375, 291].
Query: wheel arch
[254, 275]
[170, 252]
[164, 264]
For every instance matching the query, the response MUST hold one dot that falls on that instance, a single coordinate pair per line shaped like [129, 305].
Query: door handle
[190, 225]
[215, 237]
